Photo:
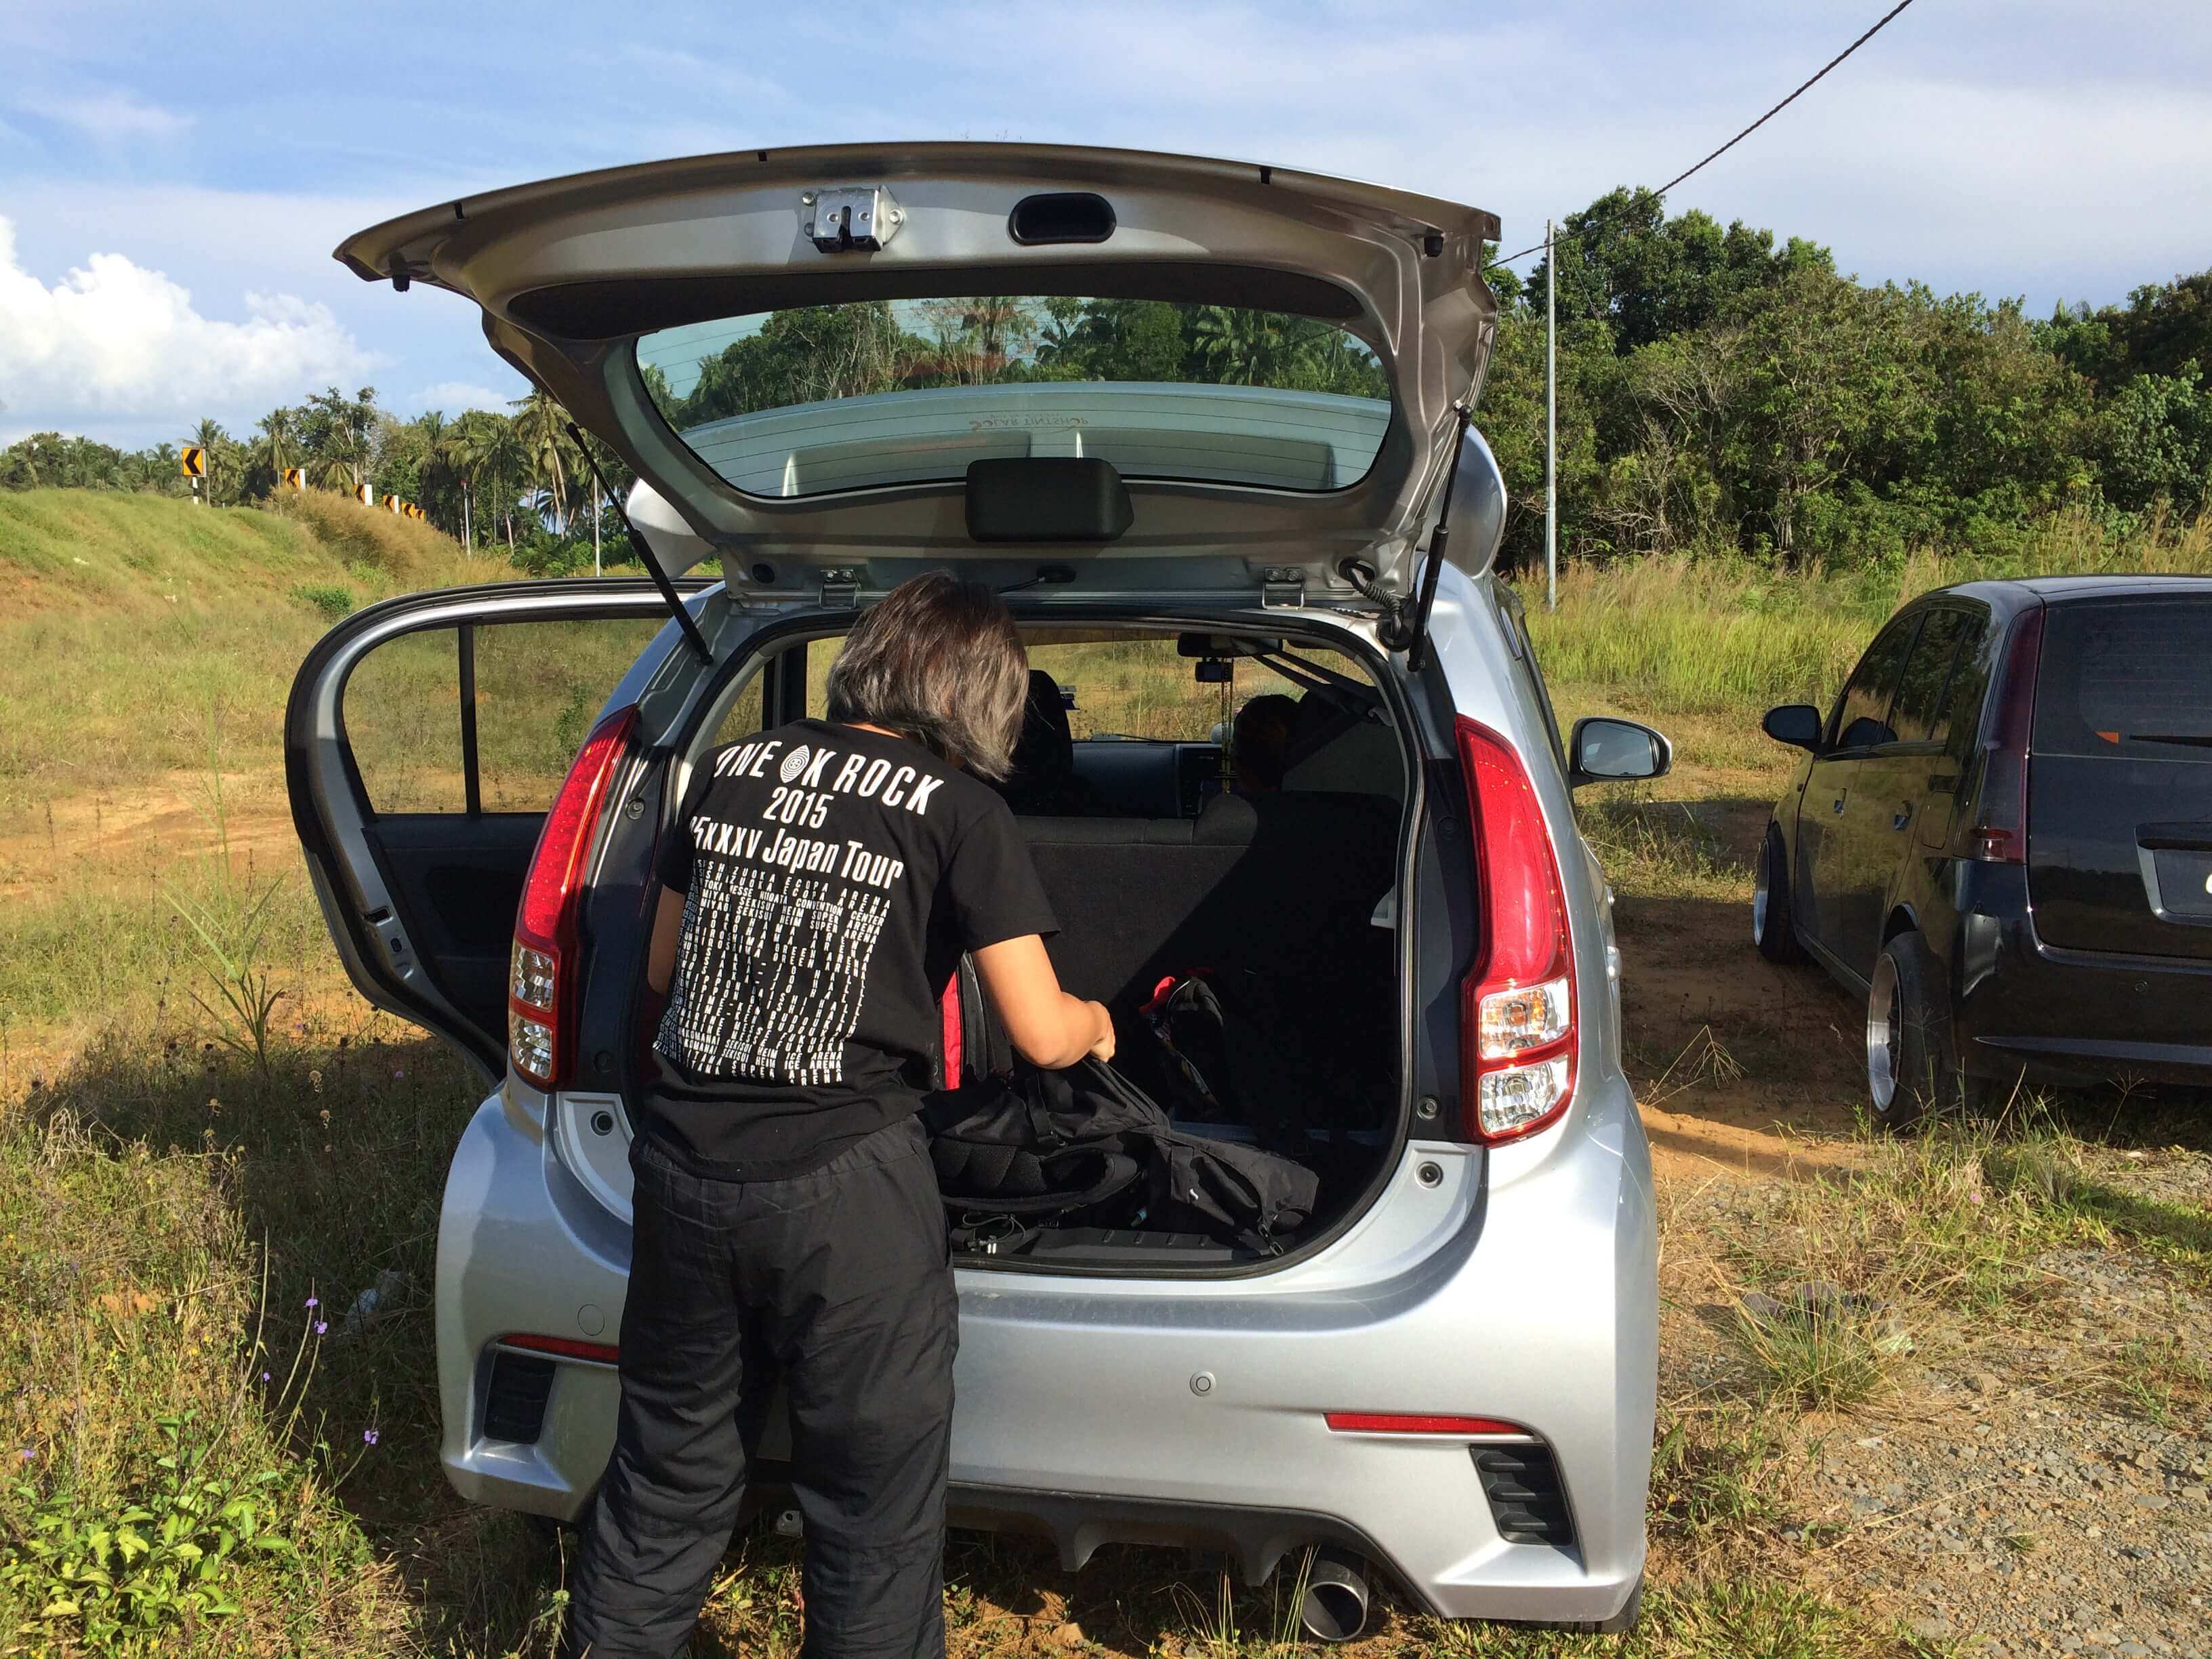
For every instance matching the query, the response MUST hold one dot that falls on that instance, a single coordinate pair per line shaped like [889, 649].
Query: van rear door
[423, 740]
[2120, 781]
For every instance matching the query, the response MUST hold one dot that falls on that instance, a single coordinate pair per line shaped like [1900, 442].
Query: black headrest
[1046, 750]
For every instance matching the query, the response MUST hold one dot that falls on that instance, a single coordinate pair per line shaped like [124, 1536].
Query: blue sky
[173, 180]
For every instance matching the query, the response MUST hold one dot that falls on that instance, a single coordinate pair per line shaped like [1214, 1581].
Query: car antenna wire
[684, 620]
[1538, 247]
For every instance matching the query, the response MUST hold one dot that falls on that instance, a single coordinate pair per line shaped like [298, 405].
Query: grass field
[209, 1451]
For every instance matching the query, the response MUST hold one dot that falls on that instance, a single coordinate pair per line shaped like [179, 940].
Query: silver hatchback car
[1207, 428]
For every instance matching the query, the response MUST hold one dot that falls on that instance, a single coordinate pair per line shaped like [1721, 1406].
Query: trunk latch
[1282, 586]
[851, 221]
[841, 587]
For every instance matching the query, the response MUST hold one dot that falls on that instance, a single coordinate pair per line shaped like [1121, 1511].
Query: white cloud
[109, 116]
[455, 396]
[114, 339]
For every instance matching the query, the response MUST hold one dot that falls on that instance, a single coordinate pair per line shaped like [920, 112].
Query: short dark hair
[939, 660]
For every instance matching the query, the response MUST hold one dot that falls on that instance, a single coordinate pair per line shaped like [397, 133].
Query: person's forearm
[1080, 1030]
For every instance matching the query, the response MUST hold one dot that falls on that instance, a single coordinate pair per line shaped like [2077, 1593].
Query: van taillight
[1517, 1004]
[541, 995]
[2000, 831]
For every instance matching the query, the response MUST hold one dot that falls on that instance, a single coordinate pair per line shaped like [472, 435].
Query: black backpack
[1047, 1143]
[1033, 1144]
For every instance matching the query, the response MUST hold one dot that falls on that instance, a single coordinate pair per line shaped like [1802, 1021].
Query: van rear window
[2127, 676]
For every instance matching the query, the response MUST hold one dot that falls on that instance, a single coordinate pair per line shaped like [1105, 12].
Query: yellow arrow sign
[295, 477]
[193, 462]
[364, 495]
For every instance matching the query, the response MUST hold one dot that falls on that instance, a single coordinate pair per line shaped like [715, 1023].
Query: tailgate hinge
[1282, 586]
[841, 587]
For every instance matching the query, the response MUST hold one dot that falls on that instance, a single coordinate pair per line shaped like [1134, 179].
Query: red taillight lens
[1416, 1422]
[541, 993]
[2000, 831]
[1518, 1005]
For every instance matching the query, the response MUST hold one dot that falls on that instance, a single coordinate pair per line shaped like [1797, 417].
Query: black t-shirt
[831, 878]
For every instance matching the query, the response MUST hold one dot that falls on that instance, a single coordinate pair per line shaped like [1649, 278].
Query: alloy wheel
[1883, 1034]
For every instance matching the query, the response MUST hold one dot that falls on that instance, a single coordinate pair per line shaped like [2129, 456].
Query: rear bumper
[1098, 1410]
[2087, 1017]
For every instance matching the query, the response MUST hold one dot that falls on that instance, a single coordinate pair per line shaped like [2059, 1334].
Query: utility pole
[1551, 424]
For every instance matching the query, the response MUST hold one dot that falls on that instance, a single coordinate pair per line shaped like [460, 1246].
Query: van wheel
[1771, 926]
[1910, 1068]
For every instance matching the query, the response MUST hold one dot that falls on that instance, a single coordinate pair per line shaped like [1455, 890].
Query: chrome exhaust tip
[1334, 1606]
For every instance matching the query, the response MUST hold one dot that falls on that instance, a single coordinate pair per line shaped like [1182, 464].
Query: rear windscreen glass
[818, 399]
[2127, 676]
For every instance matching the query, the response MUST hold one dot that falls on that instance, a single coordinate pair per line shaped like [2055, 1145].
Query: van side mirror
[1605, 750]
[1797, 723]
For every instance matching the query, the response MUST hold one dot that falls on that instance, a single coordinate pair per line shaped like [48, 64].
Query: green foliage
[810, 353]
[232, 922]
[121, 1578]
[333, 602]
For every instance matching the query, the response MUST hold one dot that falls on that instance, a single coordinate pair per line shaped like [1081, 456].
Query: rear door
[2120, 777]
[424, 739]
[1842, 861]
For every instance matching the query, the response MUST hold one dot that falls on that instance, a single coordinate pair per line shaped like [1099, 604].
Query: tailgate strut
[684, 620]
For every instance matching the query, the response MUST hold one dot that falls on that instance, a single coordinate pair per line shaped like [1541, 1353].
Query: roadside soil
[2029, 1484]
[2033, 1483]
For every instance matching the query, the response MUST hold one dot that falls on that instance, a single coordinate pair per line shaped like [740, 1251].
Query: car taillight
[2000, 831]
[1517, 1004]
[541, 1012]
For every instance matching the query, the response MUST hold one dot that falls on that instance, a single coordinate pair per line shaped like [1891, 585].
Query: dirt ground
[2016, 1486]
[2027, 1478]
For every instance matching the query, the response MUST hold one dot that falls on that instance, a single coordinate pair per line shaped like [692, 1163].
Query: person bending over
[817, 894]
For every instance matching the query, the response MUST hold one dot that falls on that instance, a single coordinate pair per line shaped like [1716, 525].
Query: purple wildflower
[29, 1452]
[311, 1301]
[369, 1435]
[321, 1325]
[264, 1377]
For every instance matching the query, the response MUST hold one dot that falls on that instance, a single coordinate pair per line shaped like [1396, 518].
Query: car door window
[1970, 679]
[1922, 713]
[482, 718]
[539, 687]
[1862, 717]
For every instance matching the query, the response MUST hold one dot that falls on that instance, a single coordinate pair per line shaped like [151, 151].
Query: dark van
[2002, 836]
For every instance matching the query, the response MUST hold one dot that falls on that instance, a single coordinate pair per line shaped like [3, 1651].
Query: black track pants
[837, 1283]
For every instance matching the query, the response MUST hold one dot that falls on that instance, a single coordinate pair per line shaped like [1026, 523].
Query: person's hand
[1103, 1048]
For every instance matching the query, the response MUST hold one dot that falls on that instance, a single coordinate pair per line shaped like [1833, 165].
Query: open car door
[424, 739]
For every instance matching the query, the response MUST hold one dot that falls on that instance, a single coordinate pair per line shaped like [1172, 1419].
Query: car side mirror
[1605, 750]
[1797, 723]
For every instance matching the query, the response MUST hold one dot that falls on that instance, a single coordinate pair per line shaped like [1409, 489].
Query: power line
[1538, 247]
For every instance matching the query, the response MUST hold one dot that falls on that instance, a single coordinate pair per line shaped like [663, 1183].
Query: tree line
[810, 353]
[1720, 392]
[514, 482]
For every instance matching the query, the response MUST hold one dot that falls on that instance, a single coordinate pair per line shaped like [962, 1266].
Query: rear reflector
[1416, 1422]
[541, 1001]
[2000, 831]
[1518, 1005]
[566, 1348]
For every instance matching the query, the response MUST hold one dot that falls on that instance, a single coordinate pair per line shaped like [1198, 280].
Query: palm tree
[541, 424]
[280, 431]
[210, 437]
[437, 467]
[497, 457]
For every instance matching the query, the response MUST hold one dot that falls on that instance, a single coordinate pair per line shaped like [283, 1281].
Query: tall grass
[1709, 635]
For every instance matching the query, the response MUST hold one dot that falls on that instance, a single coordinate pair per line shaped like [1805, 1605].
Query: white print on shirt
[869, 778]
[776, 965]
[780, 929]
